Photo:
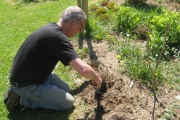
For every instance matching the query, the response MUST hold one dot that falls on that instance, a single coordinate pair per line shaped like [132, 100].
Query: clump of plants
[102, 15]
[111, 6]
[142, 31]
[93, 7]
[101, 11]
[128, 19]
[104, 3]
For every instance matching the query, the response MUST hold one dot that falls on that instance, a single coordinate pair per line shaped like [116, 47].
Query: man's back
[39, 54]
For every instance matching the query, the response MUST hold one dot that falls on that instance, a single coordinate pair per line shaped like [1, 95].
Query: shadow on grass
[80, 88]
[40, 114]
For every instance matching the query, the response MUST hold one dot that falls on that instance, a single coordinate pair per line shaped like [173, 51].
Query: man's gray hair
[72, 13]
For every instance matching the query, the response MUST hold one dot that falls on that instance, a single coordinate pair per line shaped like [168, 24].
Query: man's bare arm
[86, 71]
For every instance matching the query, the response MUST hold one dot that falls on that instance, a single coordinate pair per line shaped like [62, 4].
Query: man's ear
[73, 23]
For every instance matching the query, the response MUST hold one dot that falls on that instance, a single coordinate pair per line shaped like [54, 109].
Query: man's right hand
[97, 83]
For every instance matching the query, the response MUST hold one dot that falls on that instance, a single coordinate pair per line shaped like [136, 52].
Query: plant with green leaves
[82, 52]
[100, 16]
[136, 22]
[169, 114]
[128, 19]
[136, 62]
[159, 21]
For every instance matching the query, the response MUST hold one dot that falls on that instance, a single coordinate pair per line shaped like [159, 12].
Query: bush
[158, 23]
[128, 19]
[142, 24]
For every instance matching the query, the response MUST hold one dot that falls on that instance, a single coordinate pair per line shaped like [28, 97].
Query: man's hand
[97, 83]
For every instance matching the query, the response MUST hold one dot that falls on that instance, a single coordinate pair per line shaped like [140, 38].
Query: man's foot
[11, 100]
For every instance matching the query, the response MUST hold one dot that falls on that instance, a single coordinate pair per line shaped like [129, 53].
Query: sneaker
[11, 100]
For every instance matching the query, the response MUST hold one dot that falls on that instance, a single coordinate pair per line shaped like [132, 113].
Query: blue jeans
[52, 94]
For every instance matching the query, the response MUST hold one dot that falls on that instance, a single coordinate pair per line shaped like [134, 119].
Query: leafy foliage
[100, 16]
[143, 24]
[128, 19]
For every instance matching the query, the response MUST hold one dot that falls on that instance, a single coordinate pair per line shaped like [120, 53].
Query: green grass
[17, 22]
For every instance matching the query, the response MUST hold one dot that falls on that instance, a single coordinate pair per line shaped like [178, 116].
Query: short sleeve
[62, 49]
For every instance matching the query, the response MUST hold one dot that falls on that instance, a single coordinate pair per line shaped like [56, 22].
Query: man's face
[76, 27]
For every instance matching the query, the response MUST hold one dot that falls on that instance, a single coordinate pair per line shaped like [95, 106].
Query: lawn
[17, 22]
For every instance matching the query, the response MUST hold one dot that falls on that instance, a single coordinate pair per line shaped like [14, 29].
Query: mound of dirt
[121, 98]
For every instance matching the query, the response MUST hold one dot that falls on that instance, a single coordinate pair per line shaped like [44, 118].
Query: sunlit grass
[17, 22]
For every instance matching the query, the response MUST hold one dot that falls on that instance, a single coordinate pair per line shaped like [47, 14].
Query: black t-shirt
[40, 53]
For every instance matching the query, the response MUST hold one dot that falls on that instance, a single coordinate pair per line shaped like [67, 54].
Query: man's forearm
[86, 71]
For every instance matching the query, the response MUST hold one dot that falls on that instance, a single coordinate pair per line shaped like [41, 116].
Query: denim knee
[70, 101]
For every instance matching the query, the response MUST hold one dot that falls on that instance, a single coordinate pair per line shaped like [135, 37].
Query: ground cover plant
[119, 41]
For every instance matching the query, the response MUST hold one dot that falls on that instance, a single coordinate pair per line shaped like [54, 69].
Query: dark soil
[121, 98]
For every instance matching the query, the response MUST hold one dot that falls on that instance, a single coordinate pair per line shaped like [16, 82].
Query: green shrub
[128, 19]
[153, 23]
[98, 31]
[158, 23]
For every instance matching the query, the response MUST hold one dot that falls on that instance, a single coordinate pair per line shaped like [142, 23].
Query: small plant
[111, 5]
[104, 17]
[82, 52]
[142, 30]
[104, 3]
[101, 11]
[93, 7]
[169, 115]
[176, 105]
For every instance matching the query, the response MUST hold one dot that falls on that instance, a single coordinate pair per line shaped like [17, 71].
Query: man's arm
[86, 71]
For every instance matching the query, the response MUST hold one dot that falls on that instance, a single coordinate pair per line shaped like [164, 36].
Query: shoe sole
[6, 96]
[10, 100]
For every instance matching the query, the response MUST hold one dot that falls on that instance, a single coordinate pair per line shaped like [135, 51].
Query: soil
[121, 98]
